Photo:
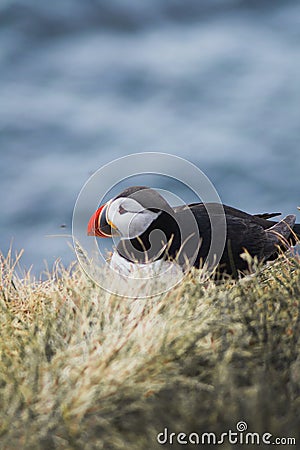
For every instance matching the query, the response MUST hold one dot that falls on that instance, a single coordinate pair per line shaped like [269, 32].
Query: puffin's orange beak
[98, 225]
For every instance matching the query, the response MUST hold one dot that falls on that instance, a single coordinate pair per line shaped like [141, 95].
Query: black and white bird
[150, 231]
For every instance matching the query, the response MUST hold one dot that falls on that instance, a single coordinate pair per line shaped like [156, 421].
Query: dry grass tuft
[84, 369]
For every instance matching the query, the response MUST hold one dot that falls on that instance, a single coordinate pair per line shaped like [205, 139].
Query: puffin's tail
[296, 230]
[278, 235]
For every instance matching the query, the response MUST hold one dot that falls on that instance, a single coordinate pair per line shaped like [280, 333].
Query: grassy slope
[83, 369]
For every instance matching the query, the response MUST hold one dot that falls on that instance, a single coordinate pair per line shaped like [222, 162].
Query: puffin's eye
[122, 210]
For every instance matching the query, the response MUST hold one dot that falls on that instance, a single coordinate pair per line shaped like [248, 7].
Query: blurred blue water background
[83, 82]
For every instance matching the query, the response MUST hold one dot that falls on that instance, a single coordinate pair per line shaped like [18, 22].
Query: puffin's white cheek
[138, 223]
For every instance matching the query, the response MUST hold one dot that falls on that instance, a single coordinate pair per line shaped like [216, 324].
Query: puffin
[151, 231]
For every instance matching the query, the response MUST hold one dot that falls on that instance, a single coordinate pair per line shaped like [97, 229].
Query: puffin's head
[129, 214]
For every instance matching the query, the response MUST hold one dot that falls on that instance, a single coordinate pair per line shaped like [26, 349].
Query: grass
[84, 369]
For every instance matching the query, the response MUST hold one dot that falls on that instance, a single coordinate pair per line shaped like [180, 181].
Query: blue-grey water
[81, 83]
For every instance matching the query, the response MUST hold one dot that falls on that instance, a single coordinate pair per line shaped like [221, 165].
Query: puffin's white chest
[150, 270]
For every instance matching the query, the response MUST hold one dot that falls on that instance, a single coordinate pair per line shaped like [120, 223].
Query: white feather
[129, 217]
[150, 270]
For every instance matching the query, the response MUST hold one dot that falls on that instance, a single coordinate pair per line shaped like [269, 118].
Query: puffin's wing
[243, 234]
[243, 230]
